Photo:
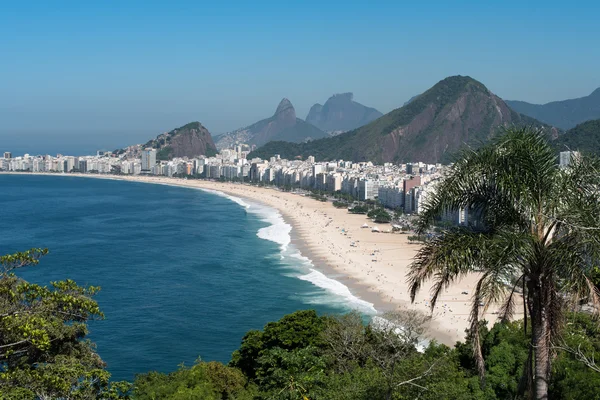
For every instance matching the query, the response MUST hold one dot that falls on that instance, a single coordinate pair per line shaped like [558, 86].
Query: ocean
[184, 273]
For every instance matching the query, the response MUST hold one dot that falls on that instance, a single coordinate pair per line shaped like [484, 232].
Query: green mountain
[190, 140]
[283, 125]
[584, 137]
[456, 111]
[563, 114]
[340, 114]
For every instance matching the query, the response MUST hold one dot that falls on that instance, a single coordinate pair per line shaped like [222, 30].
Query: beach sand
[374, 269]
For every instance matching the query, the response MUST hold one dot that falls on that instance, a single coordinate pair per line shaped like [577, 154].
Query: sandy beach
[374, 268]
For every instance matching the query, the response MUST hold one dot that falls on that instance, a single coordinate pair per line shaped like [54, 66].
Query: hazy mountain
[340, 113]
[584, 137]
[190, 140]
[430, 128]
[562, 114]
[283, 125]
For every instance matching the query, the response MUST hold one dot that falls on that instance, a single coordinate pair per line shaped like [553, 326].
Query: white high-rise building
[566, 157]
[148, 159]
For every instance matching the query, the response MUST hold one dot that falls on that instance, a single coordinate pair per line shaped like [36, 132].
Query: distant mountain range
[562, 114]
[584, 137]
[190, 140]
[340, 114]
[283, 125]
[431, 128]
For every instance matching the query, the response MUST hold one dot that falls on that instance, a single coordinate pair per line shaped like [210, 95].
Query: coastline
[374, 271]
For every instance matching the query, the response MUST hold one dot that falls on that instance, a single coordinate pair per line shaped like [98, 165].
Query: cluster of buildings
[402, 186]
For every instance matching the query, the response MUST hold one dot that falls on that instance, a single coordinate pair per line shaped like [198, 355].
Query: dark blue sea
[184, 273]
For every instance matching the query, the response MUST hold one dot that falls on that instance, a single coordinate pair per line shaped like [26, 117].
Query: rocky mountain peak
[285, 107]
[342, 96]
[340, 113]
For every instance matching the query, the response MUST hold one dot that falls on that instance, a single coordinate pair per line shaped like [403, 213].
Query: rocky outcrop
[190, 140]
[340, 114]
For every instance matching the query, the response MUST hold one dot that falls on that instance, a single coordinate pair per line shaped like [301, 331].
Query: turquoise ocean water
[184, 272]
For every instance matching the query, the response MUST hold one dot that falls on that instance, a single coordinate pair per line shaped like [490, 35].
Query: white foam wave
[277, 231]
[228, 196]
[339, 289]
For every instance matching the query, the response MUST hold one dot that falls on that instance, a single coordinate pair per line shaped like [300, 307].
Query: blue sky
[77, 76]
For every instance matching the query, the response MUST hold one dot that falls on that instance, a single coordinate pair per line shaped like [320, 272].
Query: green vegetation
[539, 230]
[340, 204]
[417, 238]
[164, 154]
[204, 380]
[379, 215]
[359, 209]
[584, 137]
[43, 351]
[306, 356]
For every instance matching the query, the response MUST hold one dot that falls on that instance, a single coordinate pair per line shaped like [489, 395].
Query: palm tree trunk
[539, 341]
[525, 302]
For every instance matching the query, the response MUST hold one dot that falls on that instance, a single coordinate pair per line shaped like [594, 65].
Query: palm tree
[538, 232]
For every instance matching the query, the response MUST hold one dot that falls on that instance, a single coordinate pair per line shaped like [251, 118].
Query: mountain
[410, 100]
[562, 114]
[584, 137]
[340, 113]
[190, 140]
[283, 125]
[430, 128]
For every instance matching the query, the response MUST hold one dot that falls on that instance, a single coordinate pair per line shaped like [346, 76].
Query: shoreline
[374, 270]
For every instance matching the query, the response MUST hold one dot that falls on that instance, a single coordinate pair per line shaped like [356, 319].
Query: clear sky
[84, 75]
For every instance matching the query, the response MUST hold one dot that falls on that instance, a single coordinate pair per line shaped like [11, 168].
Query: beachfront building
[368, 189]
[565, 158]
[391, 196]
[148, 159]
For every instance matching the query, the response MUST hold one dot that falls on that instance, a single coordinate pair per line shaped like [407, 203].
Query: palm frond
[474, 333]
[508, 307]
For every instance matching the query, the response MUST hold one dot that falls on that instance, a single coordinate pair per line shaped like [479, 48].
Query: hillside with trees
[584, 137]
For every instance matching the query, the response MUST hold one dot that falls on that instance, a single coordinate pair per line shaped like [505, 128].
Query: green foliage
[208, 381]
[290, 374]
[584, 137]
[340, 204]
[43, 351]
[379, 215]
[417, 238]
[571, 378]
[294, 331]
[164, 154]
[359, 209]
